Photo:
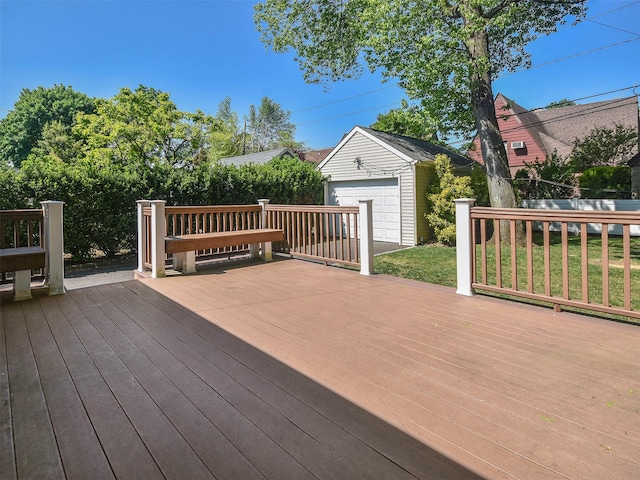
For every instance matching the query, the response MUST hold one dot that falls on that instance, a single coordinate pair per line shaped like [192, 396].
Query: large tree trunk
[501, 191]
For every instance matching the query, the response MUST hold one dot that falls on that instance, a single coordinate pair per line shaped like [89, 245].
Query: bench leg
[185, 262]
[22, 285]
[267, 254]
[254, 250]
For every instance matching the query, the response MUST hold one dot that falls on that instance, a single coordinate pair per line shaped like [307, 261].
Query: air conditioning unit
[517, 145]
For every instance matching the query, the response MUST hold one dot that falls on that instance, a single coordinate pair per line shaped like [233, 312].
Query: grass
[437, 264]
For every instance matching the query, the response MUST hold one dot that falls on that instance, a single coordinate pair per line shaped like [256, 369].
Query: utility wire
[344, 99]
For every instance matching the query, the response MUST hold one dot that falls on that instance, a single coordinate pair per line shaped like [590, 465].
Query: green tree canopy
[603, 146]
[269, 125]
[408, 120]
[144, 128]
[560, 103]
[444, 53]
[23, 127]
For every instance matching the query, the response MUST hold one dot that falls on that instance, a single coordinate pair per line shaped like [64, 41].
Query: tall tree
[23, 127]
[144, 128]
[444, 53]
[225, 137]
[408, 120]
[269, 125]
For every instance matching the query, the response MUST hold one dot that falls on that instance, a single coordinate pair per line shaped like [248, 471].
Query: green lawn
[437, 264]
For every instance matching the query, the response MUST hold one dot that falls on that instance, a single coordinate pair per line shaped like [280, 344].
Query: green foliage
[409, 120]
[440, 198]
[22, 128]
[143, 128]
[428, 46]
[269, 126]
[553, 178]
[13, 189]
[479, 186]
[603, 146]
[225, 137]
[560, 103]
[606, 182]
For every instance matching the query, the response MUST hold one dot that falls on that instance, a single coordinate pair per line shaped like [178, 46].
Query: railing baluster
[514, 255]
[547, 259]
[605, 265]
[584, 257]
[496, 238]
[565, 260]
[529, 227]
[626, 253]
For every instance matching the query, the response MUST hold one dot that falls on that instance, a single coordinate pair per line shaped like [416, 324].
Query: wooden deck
[292, 370]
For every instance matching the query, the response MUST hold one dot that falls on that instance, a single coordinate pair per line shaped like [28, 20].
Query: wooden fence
[599, 272]
[329, 234]
[21, 228]
[326, 233]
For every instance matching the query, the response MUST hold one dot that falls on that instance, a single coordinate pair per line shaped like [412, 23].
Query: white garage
[393, 170]
[386, 203]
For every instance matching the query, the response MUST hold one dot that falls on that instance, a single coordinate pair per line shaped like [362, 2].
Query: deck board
[294, 370]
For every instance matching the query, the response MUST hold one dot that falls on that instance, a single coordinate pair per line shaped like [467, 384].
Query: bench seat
[21, 258]
[21, 261]
[183, 247]
[205, 241]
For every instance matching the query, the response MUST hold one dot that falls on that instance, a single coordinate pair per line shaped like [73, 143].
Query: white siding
[376, 162]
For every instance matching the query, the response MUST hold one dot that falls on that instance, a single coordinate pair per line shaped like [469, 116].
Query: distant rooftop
[259, 158]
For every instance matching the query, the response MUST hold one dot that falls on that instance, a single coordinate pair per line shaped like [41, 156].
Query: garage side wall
[376, 162]
[425, 173]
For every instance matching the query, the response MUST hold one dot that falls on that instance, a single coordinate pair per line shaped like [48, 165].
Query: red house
[532, 135]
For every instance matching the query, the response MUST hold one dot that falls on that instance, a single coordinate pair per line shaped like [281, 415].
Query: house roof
[556, 129]
[566, 124]
[412, 150]
[259, 157]
[316, 156]
[635, 160]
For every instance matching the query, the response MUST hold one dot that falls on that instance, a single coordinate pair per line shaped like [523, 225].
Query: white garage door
[386, 203]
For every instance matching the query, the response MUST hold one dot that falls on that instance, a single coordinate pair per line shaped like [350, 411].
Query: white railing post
[464, 245]
[142, 234]
[267, 253]
[54, 245]
[366, 237]
[158, 231]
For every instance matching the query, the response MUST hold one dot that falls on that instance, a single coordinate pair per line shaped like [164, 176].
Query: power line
[344, 99]
[348, 114]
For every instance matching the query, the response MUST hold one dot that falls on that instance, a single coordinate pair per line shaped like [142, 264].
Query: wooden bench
[184, 247]
[21, 261]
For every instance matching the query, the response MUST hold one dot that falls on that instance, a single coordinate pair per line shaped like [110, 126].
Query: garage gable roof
[412, 150]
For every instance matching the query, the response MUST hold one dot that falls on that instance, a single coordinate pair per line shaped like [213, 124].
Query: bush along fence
[328, 234]
[597, 272]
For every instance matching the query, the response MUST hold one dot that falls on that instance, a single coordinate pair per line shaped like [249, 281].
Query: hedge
[100, 199]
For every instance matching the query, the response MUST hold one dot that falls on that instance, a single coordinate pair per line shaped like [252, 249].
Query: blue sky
[202, 51]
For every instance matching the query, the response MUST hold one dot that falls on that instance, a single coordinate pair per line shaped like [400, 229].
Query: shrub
[606, 182]
[440, 198]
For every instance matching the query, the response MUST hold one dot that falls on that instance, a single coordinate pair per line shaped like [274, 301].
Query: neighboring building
[259, 158]
[316, 156]
[531, 136]
[393, 170]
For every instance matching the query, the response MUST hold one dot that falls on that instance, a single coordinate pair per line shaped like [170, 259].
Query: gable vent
[517, 145]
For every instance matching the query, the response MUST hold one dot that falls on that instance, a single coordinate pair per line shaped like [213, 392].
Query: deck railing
[181, 220]
[598, 272]
[21, 228]
[43, 228]
[328, 234]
